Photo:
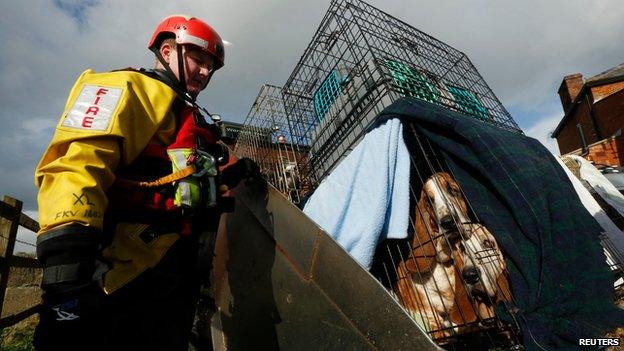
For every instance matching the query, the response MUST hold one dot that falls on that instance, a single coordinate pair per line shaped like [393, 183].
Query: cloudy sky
[521, 48]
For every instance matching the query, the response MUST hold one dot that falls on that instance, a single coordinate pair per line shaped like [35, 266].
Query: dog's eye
[454, 190]
[488, 244]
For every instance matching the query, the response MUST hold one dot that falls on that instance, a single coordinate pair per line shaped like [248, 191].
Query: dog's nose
[447, 222]
[470, 275]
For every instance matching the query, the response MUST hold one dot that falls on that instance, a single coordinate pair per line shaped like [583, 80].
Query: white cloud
[522, 49]
[542, 130]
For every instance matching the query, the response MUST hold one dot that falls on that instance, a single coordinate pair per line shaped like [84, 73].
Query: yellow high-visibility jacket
[108, 120]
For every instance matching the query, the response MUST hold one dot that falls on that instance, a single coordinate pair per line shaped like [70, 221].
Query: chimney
[569, 89]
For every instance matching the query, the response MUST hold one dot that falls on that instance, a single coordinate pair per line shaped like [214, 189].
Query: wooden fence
[11, 217]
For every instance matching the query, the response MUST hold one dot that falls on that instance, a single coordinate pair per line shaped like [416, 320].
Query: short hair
[170, 41]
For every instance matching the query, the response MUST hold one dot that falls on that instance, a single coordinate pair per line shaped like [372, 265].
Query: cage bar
[359, 61]
[267, 138]
[456, 314]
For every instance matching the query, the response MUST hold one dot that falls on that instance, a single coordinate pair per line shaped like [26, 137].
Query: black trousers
[153, 312]
[156, 310]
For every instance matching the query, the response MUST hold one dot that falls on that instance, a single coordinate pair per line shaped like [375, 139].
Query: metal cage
[267, 139]
[359, 61]
[429, 273]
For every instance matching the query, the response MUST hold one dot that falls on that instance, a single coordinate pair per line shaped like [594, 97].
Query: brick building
[593, 117]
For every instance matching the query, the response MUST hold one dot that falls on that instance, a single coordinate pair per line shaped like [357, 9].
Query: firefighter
[133, 173]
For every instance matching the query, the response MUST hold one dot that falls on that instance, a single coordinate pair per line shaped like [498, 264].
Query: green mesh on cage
[467, 102]
[326, 94]
[411, 82]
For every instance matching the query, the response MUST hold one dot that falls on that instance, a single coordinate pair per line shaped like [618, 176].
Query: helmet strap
[208, 80]
[181, 70]
[180, 88]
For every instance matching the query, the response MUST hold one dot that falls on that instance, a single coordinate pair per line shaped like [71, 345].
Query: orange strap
[175, 176]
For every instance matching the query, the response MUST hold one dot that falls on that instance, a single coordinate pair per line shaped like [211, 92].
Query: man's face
[198, 67]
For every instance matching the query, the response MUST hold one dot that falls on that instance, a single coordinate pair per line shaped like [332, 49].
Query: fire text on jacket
[93, 108]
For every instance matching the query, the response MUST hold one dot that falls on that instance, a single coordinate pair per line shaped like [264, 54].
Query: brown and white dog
[455, 272]
[484, 274]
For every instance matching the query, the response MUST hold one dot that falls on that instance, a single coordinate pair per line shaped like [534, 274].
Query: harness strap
[175, 176]
[181, 74]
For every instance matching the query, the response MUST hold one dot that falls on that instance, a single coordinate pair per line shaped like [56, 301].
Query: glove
[244, 169]
[72, 304]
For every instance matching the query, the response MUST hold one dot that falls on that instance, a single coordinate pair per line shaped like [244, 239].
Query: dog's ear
[423, 252]
[421, 259]
[462, 311]
[504, 292]
[408, 296]
[458, 200]
[430, 216]
[410, 264]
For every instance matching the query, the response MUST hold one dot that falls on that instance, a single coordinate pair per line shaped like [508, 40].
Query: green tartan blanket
[561, 284]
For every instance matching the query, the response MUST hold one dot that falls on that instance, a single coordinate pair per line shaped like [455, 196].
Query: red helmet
[190, 30]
